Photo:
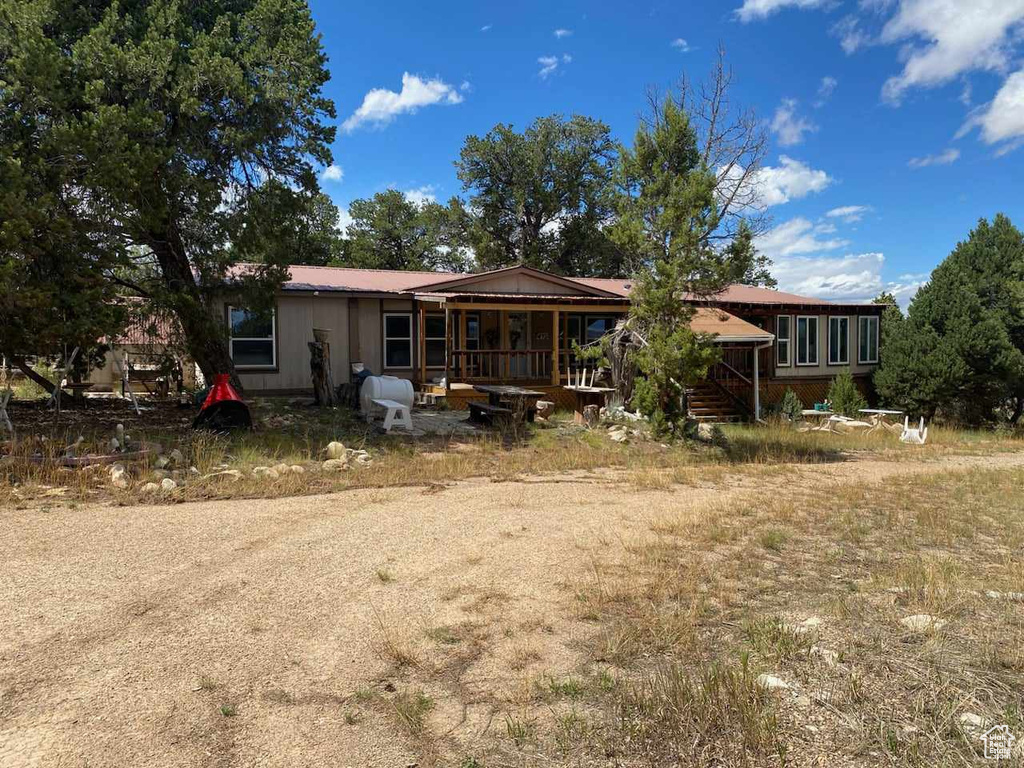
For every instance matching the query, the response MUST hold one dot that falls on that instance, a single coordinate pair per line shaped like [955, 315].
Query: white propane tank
[385, 388]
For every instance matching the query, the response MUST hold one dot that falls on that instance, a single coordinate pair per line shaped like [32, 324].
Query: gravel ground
[237, 633]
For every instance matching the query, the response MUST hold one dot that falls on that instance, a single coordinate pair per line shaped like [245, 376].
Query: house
[447, 332]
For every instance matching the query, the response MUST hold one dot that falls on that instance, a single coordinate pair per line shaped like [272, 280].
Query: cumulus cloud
[788, 125]
[680, 45]
[332, 173]
[849, 213]
[421, 195]
[549, 64]
[560, 33]
[852, 277]
[752, 10]
[795, 237]
[946, 157]
[851, 36]
[942, 39]
[380, 106]
[790, 180]
[1002, 119]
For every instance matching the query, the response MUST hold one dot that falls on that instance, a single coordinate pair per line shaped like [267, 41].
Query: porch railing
[500, 364]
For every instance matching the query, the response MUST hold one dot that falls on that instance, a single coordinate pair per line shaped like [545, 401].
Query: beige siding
[296, 318]
[823, 368]
[369, 352]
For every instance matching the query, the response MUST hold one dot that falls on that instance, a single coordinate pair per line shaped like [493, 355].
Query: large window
[839, 341]
[252, 343]
[433, 339]
[398, 340]
[867, 338]
[807, 340]
[783, 336]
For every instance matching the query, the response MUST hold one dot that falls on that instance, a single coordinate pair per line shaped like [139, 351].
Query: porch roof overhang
[727, 328]
[536, 300]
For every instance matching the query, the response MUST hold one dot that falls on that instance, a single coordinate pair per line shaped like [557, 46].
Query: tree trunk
[25, 368]
[205, 339]
[320, 369]
[1018, 410]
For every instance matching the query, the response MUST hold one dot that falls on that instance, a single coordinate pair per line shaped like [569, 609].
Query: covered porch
[528, 340]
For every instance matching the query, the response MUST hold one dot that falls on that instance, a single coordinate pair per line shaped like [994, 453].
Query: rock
[193, 471]
[281, 468]
[812, 728]
[972, 722]
[360, 457]
[160, 474]
[118, 476]
[1016, 597]
[234, 475]
[149, 489]
[335, 465]
[335, 450]
[812, 623]
[830, 657]
[266, 472]
[922, 622]
[177, 457]
[618, 434]
[162, 462]
[297, 469]
[167, 485]
[771, 682]
[711, 433]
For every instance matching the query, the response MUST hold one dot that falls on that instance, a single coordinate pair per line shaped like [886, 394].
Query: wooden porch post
[556, 376]
[447, 349]
[757, 385]
[462, 342]
[423, 345]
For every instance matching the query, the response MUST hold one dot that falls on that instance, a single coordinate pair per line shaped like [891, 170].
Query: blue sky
[895, 124]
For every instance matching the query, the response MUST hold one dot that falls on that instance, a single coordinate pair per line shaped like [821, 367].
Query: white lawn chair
[916, 435]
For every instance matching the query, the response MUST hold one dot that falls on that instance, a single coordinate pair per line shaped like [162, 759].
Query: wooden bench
[486, 413]
[396, 413]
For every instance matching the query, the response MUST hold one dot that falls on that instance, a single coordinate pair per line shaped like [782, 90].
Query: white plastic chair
[916, 435]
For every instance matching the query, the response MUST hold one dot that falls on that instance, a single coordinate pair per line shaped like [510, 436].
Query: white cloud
[344, 219]
[681, 45]
[380, 106]
[760, 9]
[849, 213]
[560, 33]
[825, 90]
[486, 27]
[549, 64]
[421, 195]
[788, 125]
[853, 277]
[851, 37]
[1002, 120]
[790, 180]
[957, 37]
[332, 173]
[946, 157]
[795, 237]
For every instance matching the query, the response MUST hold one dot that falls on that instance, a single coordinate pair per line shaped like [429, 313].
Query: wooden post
[423, 346]
[447, 349]
[320, 368]
[556, 376]
[462, 341]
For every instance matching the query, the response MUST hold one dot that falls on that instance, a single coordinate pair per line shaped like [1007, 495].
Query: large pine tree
[959, 353]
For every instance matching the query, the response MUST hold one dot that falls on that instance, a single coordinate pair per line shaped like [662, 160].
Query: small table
[587, 396]
[505, 400]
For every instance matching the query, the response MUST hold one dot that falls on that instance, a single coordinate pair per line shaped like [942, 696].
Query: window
[807, 340]
[434, 341]
[472, 331]
[598, 327]
[839, 341]
[252, 343]
[398, 340]
[783, 334]
[867, 337]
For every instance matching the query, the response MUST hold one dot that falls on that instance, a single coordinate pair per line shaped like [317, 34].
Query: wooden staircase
[708, 402]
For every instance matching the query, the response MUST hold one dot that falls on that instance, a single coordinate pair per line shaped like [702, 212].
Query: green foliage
[543, 196]
[161, 124]
[790, 406]
[389, 231]
[844, 396]
[667, 213]
[959, 352]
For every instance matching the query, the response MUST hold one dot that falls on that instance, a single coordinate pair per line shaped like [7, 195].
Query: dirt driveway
[242, 633]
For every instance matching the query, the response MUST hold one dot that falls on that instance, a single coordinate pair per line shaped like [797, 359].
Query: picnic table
[504, 401]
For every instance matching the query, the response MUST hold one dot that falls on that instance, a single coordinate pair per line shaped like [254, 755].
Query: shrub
[791, 407]
[844, 395]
